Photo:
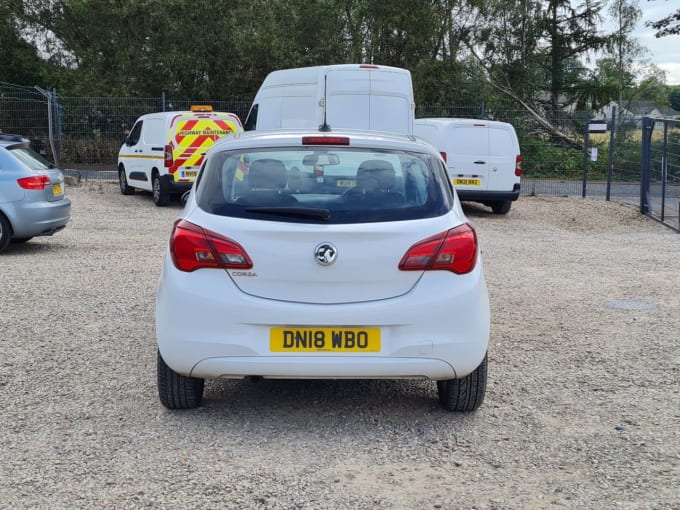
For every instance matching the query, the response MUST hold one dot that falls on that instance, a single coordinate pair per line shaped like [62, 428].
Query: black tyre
[5, 232]
[178, 391]
[161, 197]
[501, 206]
[465, 394]
[125, 189]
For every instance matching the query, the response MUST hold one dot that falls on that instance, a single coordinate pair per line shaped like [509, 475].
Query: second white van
[482, 157]
[349, 96]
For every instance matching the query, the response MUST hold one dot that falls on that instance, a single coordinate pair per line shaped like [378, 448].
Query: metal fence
[660, 169]
[84, 134]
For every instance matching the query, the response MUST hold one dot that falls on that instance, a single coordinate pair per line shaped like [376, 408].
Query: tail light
[167, 156]
[193, 247]
[34, 182]
[443, 156]
[518, 165]
[454, 250]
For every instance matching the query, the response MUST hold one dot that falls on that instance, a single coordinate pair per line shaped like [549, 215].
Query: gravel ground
[582, 408]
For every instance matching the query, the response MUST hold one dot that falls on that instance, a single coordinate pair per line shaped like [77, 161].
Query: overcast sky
[665, 51]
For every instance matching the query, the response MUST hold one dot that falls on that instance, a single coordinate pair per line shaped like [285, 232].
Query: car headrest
[267, 174]
[376, 174]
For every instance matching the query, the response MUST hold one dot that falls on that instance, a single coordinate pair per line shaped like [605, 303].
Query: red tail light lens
[34, 182]
[193, 247]
[443, 155]
[454, 250]
[518, 165]
[167, 156]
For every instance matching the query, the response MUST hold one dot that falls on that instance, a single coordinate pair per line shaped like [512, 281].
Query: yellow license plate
[190, 173]
[324, 339]
[57, 189]
[467, 182]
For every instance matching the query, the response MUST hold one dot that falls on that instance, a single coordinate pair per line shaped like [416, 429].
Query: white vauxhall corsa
[323, 255]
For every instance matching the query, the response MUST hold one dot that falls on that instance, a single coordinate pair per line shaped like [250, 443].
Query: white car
[334, 255]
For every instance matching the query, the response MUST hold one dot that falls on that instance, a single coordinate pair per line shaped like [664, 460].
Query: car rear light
[368, 66]
[443, 156]
[325, 140]
[34, 182]
[518, 165]
[454, 250]
[167, 156]
[193, 247]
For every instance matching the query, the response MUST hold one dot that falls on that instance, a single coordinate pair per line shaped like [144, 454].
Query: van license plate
[324, 339]
[467, 182]
[189, 174]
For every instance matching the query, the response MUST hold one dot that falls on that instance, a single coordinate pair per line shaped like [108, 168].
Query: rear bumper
[488, 196]
[324, 367]
[206, 327]
[176, 187]
[31, 219]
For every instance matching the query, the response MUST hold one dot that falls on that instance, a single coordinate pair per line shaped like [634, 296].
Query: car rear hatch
[362, 260]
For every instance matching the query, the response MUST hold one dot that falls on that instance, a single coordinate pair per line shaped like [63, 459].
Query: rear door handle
[480, 162]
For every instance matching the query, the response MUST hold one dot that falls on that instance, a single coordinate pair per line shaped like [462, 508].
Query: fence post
[50, 123]
[645, 156]
[586, 156]
[664, 170]
[610, 158]
[482, 111]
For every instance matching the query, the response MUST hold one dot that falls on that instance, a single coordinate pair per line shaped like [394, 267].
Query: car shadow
[294, 400]
[477, 210]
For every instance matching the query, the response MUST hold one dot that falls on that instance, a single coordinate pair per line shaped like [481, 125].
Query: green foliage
[674, 97]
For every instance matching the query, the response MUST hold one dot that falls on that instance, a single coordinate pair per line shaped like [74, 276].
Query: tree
[526, 48]
[666, 26]
[674, 98]
[624, 50]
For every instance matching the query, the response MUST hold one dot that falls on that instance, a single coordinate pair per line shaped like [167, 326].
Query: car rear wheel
[465, 394]
[178, 391]
[125, 189]
[5, 232]
[161, 196]
[501, 206]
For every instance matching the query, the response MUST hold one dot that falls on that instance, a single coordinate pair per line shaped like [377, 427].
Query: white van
[354, 96]
[482, 157]
[164, 150]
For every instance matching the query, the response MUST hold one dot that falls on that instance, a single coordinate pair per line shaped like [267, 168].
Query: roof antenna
[324, 128]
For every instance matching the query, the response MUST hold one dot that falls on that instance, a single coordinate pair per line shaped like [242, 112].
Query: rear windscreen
[338, 185]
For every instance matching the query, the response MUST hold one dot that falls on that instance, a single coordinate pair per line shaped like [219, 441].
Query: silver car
[32, 201]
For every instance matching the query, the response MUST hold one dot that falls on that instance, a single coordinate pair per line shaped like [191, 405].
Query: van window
[135, 134]
[469, 140]
[251, 119]
[501, 143]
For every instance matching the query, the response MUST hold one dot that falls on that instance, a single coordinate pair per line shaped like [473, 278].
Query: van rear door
[370, 98]
[503, 153]
[191, 135]
[467, 154]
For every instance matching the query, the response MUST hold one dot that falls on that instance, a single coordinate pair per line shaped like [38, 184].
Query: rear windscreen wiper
[296, 212]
